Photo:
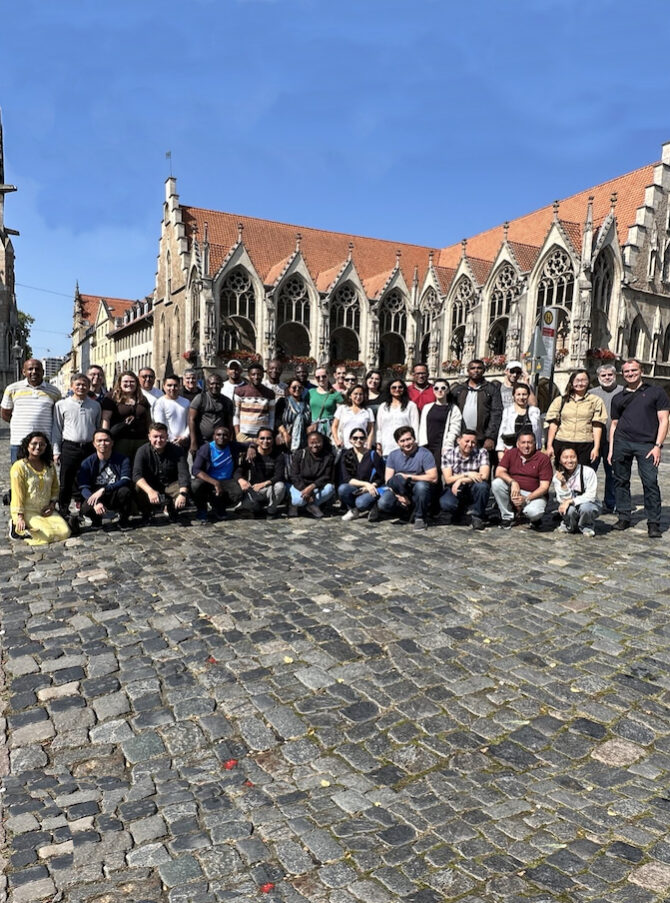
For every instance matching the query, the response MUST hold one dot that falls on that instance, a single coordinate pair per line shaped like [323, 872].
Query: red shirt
[528, 472]
[421, 397]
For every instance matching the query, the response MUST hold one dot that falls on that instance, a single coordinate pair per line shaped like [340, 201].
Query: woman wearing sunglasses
[363, 475]
[353, 413]
[440, 424]
[395, 410]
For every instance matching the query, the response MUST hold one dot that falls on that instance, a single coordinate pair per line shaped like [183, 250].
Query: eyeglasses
[357, 438]
[322, 377]
[265, 438]
[400, 388]
[350, 379]
[440, 388]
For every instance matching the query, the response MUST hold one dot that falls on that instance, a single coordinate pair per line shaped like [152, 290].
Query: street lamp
[17, 354]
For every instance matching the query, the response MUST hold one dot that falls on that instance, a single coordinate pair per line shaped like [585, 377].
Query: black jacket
[489, 407]
[161, 470]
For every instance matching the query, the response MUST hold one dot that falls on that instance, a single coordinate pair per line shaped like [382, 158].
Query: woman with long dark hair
[576, 488]
[518, 416]
[373, 384]
[292, 417]
[126, 414]
[576, 419]
[441, 423]
[34, 485]
[396, 409]
[354, 412]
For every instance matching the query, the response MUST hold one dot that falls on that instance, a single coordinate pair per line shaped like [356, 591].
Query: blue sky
[419, 121]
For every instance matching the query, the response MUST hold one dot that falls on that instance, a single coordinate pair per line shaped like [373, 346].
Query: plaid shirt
[453, 458]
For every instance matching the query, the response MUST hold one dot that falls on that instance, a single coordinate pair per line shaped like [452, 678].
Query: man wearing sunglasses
[264, 473]
[515, 375]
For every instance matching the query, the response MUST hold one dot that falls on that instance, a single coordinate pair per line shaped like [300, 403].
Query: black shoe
[506, 523]
[74, 525]
[478, 523]
[622, 524]
[373, 516]
[445, 519]
[654, 531]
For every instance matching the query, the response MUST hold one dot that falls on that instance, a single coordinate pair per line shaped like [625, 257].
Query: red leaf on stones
[229, 764]
[266, 888]
[211, 660]
[248, 783]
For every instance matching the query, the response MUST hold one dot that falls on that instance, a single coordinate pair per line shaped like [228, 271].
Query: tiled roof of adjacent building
[90, 304]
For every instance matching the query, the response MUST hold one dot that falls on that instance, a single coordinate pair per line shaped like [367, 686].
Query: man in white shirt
[147, 378]
[28, 405]
[234, 380]
[172, 410]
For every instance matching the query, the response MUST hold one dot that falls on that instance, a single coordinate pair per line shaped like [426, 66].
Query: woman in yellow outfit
[35, 494]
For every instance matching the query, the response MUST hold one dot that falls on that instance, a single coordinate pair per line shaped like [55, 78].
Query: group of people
[422, 451]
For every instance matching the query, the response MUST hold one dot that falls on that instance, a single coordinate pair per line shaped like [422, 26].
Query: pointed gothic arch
[345, 323]
[639, 340]
[602, 282]
[497, 338]
[392, 328]
[556, 286]
[506, 288]
[237, 308]
[430, 308]
[665, 346]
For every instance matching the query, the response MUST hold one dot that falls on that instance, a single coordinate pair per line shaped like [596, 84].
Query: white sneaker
[314, 510]
[351, 514]
[562, 528]
[588, 531]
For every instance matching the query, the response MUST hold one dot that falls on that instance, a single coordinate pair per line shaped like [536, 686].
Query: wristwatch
[658, 445]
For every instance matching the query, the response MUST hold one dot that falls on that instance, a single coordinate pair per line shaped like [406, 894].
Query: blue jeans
[347, 493]
[622, 465]
[420, 497]
[320, 496]
[473, 494]
[610, 498]
[13, 452]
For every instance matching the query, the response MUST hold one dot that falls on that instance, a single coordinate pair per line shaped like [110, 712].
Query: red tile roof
[90, 304]
[271, 244]
[532, 228]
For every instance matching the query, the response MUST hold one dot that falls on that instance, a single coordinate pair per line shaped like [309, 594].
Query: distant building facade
[229, 286]
[10, 354]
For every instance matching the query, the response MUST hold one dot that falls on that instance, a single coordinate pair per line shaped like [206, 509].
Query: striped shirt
[75, 421]
[254, 409]
[32, 408]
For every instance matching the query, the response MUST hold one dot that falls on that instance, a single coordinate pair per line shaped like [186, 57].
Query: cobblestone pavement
[302, 711]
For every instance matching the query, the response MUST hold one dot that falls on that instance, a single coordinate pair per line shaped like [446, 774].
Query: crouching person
[262, 477]
[105, 482]
[576, 487]
[215, 472]
[465, 469]
[160, 474]
[522, 482]
[312, 476]
[410, 475]
[364, 469]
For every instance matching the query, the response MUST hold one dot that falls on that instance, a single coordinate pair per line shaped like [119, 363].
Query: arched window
[293, 305]
[557, 283]
[666, 262]
[505, 289]
[462, 301]
[498, 336]
[638, 344]
[393, 313]
[603, 279]
[345, 309]
[429, 309]
[238, 298]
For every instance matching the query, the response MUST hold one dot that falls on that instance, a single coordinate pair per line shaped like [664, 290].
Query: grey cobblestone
[429, 736]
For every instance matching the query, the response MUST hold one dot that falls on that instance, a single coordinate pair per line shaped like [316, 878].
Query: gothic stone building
[8, 312]
[230, 285]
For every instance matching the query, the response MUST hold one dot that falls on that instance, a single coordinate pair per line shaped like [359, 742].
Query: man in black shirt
[264, 473]
[208, 410]
[160, 474]
[639, 427]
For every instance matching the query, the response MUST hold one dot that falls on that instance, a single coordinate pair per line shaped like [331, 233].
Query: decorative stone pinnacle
[351, 250]
[298, 239]
[240, 230]
[464, 247]
[557, 207]
[613, 199]
[398, 255]
[431, 255]
[194, 230]
[505, 229]
[205, 236]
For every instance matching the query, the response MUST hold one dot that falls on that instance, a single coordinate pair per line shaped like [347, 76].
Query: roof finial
[298, 239]
[416, 274]
[505, 229]
[194, 229]
[351, 250]
[557, 207]
[464, 247]
[398, 255]
[240, 230]
[76, 288]
[431, 255]
[613, 199]
[205, 233]
[589, 213]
